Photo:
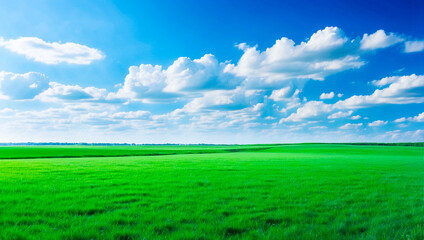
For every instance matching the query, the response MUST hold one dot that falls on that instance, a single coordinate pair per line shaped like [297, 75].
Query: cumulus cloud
[183, 77]
[285, 101]
[280, 67]
[401, 90]
[351, 126]
[22, 86]
[199, 74]
[197, 94]
[327, 51]
[377, 123]
[280, 94]
[414, 46]
[58, 92]
[419, 118]
[326, 95]
[379, 39]
[52, 52]
[400, 120]
[340, 115]
[145, 81]
[238, 98]
[310, 109]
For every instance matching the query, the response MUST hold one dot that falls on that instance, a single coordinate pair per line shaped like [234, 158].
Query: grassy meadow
[297, 191]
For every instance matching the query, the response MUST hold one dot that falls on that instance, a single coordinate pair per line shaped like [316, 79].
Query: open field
[299, 191]
[73, 151]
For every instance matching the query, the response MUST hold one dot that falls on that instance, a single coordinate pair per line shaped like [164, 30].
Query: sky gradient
[211, 71]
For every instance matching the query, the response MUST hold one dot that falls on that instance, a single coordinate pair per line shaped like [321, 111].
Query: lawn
[299, 191]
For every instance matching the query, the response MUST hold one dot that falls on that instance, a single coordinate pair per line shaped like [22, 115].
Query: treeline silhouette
[414, 144]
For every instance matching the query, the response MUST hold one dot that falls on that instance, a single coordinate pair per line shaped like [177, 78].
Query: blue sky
[211, 71]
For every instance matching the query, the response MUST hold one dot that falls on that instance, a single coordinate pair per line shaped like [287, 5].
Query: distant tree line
[415, 144]
[98, 144]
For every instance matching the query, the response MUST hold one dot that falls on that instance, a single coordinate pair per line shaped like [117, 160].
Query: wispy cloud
[52, 52]
[414, 46]
[351, 126]
[377, 123]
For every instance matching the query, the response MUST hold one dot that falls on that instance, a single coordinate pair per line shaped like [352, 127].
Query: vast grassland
[306, 191]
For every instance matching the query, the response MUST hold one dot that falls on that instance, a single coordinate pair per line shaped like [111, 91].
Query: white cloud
[57, 92]
[351, 126]
[238, 98]
[414, 46]
[385, 81]
[318, 127]
[326, 95]
[184, 76]
[257, 107]
[52, 53]
[282, 67]
[280, 94]
[199, 74]
[419, 118]
[59, 118]
[377, 123]
[216, 119]
[309, 110]
[209, 99]
[145, 81]
[7, 110]
[407, 136]
[131, 114]
[287, 103]
[400, 120]
[379, 39]
[205, 94]
[22, 86]
[328, 51]
[340, 115]
[402, 90]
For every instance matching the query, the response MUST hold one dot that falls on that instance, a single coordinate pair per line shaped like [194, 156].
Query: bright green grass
[308, 191]
[72, 151]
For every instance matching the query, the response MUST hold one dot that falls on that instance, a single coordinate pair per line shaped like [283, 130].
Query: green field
[299, 191]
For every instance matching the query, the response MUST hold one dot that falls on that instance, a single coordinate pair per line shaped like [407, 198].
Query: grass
[77, 151]
[305, 191]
